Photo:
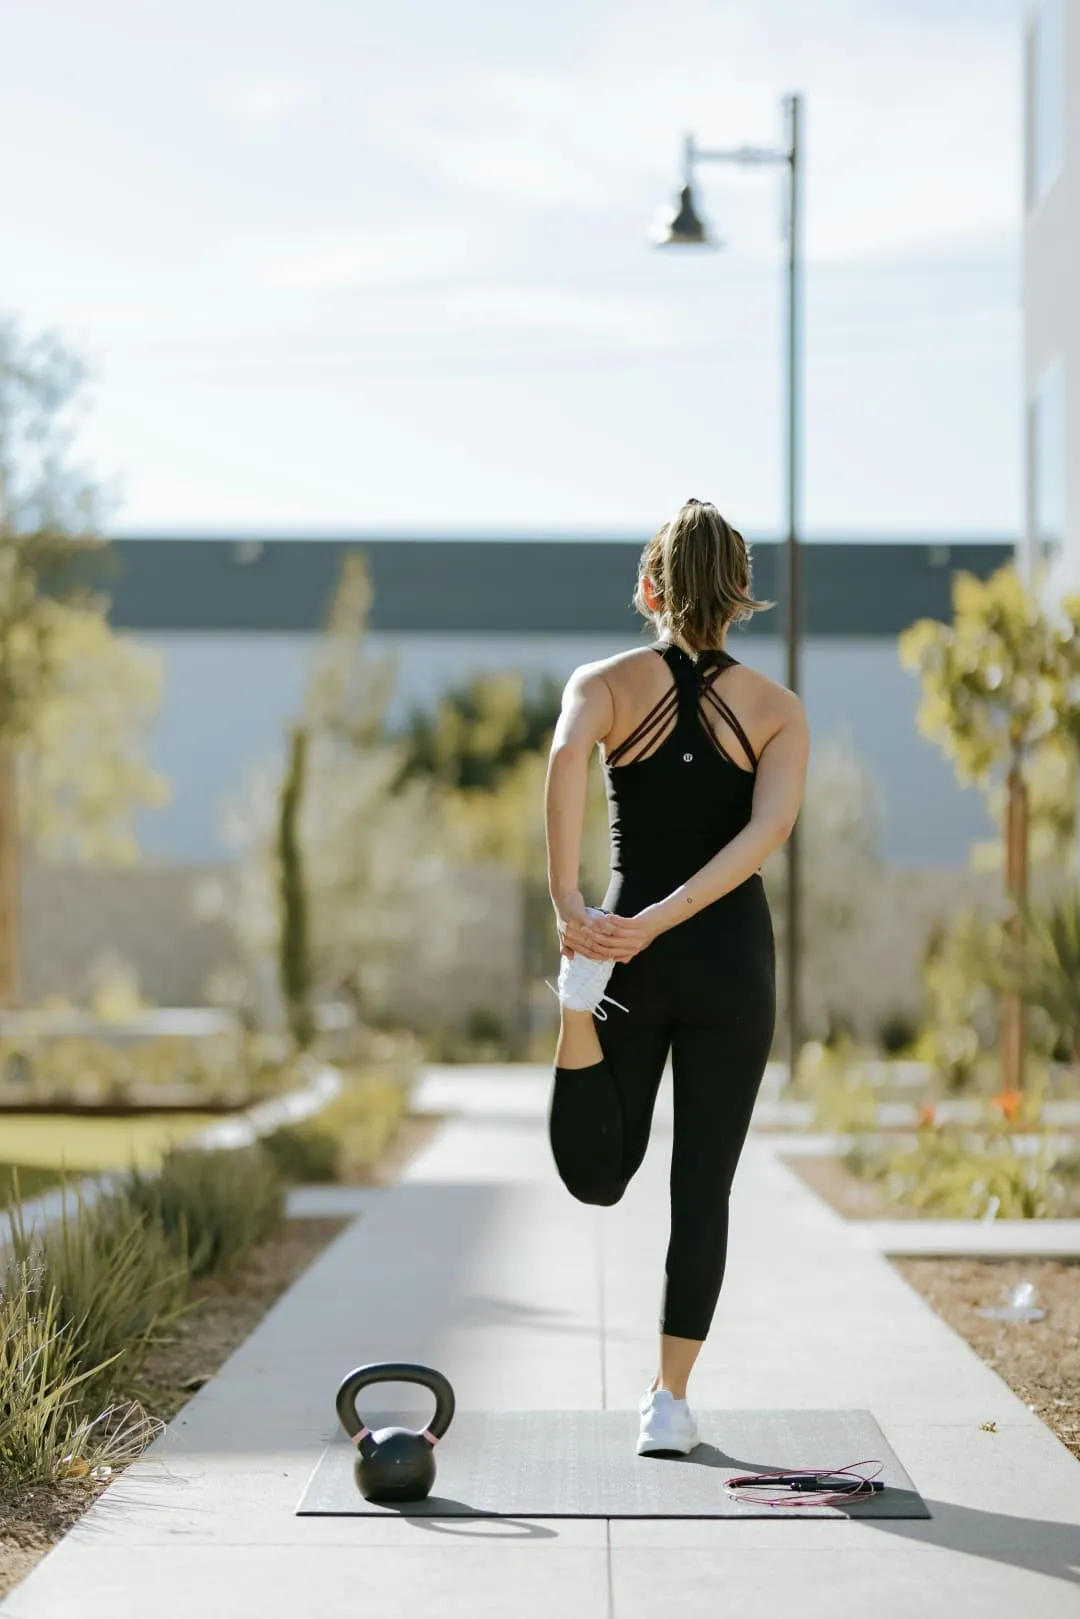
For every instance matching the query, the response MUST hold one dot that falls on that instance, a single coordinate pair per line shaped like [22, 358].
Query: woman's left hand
[623, 937]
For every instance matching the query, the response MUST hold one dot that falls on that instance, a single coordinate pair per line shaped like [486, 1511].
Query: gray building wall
[235, 620]
[227, 696]
[1052, 277]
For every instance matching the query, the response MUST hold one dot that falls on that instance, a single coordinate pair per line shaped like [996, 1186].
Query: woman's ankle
[579, 1045]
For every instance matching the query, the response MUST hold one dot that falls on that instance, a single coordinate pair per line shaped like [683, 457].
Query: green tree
[493, 751]
[1053, 783]
[74, 698]
[477, 732]
[998, 694]
[365, 842]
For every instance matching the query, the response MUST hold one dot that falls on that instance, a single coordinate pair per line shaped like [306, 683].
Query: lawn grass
[49, 1141]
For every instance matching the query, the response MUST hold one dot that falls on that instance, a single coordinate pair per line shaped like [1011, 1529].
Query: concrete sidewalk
[481, 1264]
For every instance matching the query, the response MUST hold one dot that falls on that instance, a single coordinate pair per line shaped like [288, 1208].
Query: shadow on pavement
[1041, 1545]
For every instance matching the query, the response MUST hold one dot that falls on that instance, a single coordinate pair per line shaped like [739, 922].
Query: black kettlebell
[395, 1464]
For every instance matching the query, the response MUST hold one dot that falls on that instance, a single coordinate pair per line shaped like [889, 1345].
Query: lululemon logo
[687, 757]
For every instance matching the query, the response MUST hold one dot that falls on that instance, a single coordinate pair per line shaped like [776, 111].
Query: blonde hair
[699, 568]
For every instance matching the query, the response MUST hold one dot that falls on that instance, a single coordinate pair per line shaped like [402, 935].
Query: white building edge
[1052, 291]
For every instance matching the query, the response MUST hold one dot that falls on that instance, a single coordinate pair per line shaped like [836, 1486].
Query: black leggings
[715, 1017]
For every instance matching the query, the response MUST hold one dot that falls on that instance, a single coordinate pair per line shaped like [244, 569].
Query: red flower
[1008, 1104]
[927, 1116]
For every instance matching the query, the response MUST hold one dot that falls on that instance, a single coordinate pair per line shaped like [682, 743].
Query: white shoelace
[598, 1011]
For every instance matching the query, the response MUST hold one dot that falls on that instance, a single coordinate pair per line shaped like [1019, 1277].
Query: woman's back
[704, 762]
[680, 762]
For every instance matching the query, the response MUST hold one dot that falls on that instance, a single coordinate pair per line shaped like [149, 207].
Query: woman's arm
[778, 790]
[586, 717]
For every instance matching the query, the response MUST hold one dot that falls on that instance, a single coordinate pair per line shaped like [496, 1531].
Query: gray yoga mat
[582, 1464]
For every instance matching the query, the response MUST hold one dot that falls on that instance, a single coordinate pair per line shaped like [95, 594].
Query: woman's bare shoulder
[616, 667]
[771, 702]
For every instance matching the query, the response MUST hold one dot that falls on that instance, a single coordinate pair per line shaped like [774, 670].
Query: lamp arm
[748, 155]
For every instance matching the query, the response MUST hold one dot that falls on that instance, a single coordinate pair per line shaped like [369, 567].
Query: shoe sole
[666, 1447]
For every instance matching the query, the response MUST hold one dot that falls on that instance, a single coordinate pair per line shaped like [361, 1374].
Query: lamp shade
[684, 226]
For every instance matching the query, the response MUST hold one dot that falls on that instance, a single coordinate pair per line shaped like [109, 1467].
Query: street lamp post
[687, 229]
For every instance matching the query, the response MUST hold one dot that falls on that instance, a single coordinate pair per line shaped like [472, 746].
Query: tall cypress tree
[294, 952]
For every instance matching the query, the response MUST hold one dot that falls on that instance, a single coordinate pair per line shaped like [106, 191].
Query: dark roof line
[513, 586]
[544, 536]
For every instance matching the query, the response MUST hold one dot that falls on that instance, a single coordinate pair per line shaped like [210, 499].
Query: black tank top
[681, 797]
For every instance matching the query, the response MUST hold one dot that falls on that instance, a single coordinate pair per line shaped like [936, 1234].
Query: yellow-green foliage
[85, 774]
[81, 1307]
[347, 1138]
[40, 1384]
[945, 1175]
[1053, 784]
[962, 972]
[81, 1068]
[998, 680]
[369, 843]
[213, 1207]
[1051, 966]
[115, 1283]
[844, 1100]
[76, 698]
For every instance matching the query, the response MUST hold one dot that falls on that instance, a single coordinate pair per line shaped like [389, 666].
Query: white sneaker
[582, 982]
[667, 1426]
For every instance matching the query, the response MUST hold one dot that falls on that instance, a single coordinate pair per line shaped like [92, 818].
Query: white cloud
[547, 311]
[264, 102]
[912, 126]
[322, 262]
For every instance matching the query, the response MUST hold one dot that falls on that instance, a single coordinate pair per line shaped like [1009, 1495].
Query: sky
[336, 265]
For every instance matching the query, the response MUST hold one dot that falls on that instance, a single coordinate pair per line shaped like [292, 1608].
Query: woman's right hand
[575, 929]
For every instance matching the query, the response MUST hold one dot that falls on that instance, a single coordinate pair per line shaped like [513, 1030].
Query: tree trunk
[1013, 1009]
[10, 883]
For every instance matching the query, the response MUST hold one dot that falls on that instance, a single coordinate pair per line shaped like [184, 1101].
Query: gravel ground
[1040, 1360]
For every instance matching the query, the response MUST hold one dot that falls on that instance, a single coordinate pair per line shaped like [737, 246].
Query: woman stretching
[704, 762]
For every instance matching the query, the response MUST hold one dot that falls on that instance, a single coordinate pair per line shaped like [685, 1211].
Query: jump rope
[808, 1486]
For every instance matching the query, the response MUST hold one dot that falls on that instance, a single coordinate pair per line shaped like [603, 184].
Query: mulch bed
[855, 1199]
[1040, 1360]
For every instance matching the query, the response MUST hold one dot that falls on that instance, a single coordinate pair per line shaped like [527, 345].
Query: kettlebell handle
[394, 1372]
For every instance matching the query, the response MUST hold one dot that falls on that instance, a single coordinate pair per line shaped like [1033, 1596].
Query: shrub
[40, 1377]
[1051, 968]
[213, 1207]
[843, 1098]
[304, 1154]
[115, 1283]
[82, 1303]
[962, 969]
[945, 1173]
[347, 1138]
